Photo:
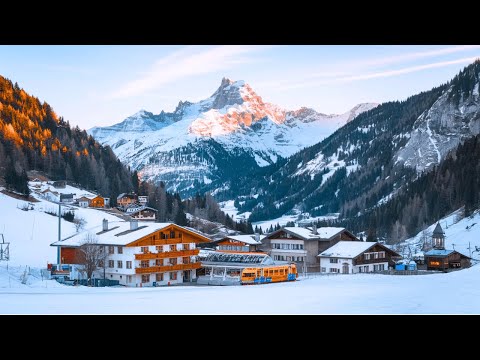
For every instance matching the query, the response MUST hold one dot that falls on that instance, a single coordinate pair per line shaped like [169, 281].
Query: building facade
[240, 243]
[351, 257]
[439, 258]
[140, 254]
[144, 214]
[123, 200]
[97, 202]
[302, 245]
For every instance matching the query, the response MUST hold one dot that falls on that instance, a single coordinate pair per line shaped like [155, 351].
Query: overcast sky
[102, 85]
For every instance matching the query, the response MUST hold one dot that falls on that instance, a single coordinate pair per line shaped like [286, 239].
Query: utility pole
[59, 258]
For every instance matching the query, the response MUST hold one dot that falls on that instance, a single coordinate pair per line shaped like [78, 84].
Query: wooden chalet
[145, 214]
[139, 253]
[350, 257]
[239, 243]
[441, 259]
[97, 202]
[124, 199]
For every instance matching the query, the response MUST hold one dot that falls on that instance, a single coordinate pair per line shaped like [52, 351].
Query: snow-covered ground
[30, 233]
[23, 290]
[453, 293]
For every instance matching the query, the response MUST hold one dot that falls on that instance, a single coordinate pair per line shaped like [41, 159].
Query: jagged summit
[234, 116]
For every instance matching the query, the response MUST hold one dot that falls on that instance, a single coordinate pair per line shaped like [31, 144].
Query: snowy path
[457, 292]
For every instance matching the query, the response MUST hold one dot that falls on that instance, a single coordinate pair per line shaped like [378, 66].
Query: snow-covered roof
[322, 232]
[347, 249]
[247, 239]
[438, 252]
[119, 233]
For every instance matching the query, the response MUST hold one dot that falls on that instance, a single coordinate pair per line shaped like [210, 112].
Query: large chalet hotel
[139, 254]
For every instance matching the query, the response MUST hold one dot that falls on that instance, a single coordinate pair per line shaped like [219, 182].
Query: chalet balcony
[362, 261]
[166, 254]
[167, 268]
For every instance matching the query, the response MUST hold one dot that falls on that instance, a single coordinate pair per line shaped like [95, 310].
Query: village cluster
[136, 251]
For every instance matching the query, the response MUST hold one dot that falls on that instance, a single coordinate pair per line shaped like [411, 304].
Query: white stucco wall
[353, 269]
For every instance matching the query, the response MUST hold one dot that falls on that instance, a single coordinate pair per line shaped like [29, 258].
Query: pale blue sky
[102, 85]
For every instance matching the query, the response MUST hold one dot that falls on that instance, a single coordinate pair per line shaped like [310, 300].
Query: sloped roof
[307, 233]
[438, 230]
[347, 249]
[247, 239]
[118, 234]
[438, 252]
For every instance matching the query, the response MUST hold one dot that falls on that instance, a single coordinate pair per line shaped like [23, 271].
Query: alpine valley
[272, 162]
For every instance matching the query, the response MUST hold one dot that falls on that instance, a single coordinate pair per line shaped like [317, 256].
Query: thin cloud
[380, 74]
[186, 62]
[415, 56]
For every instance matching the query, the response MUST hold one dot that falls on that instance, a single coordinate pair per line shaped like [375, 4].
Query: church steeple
[438, 238]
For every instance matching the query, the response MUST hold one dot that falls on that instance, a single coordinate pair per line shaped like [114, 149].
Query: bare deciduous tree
[91, 256]
[79, 223]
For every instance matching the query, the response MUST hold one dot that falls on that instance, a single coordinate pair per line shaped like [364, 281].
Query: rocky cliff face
[440, 129]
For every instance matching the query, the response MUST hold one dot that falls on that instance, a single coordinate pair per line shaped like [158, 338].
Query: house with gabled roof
[302, 245]
[139, 253]
[351, 257]
[239, 243]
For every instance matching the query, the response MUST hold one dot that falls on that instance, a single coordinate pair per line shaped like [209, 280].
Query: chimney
[105, 224]
[257, 237]
[133, 224]
[314, 229]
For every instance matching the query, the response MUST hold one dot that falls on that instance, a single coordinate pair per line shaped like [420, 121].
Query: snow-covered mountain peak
[235, 117]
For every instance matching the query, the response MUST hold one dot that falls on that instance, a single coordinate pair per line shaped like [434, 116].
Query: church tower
[438, 238]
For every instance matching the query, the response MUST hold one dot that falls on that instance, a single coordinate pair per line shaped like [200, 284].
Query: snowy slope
[459, 235]
[234, 117]
[30, 233]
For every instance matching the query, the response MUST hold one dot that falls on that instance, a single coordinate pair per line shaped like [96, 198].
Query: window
[111, 250]
[186, 246]
[186, 260]
[120, 249]
[129, 278]
[158, 262]
[145, 278]
[159, 248]
[173, 261]
[366, 256]
[333, 261]
[375, 255]
[360, 269]
[162, 235]
[173, 247]
[301, 246]
[144, 264]
[100, 263]
[119, 264]
[173, 276]
[172, 234]
[159, 277]
[365, 268]
[324, 269]
[129, 264]
[381, 254]
[333, 270]
[144, 249]
[111, 264]
[379, 267]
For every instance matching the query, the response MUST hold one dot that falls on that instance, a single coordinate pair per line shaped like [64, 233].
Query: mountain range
[202, 145]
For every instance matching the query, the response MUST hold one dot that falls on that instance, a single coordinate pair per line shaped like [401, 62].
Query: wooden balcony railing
[166, 254]
[167, 268]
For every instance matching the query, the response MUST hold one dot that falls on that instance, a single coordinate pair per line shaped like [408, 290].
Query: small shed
[405, 264]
